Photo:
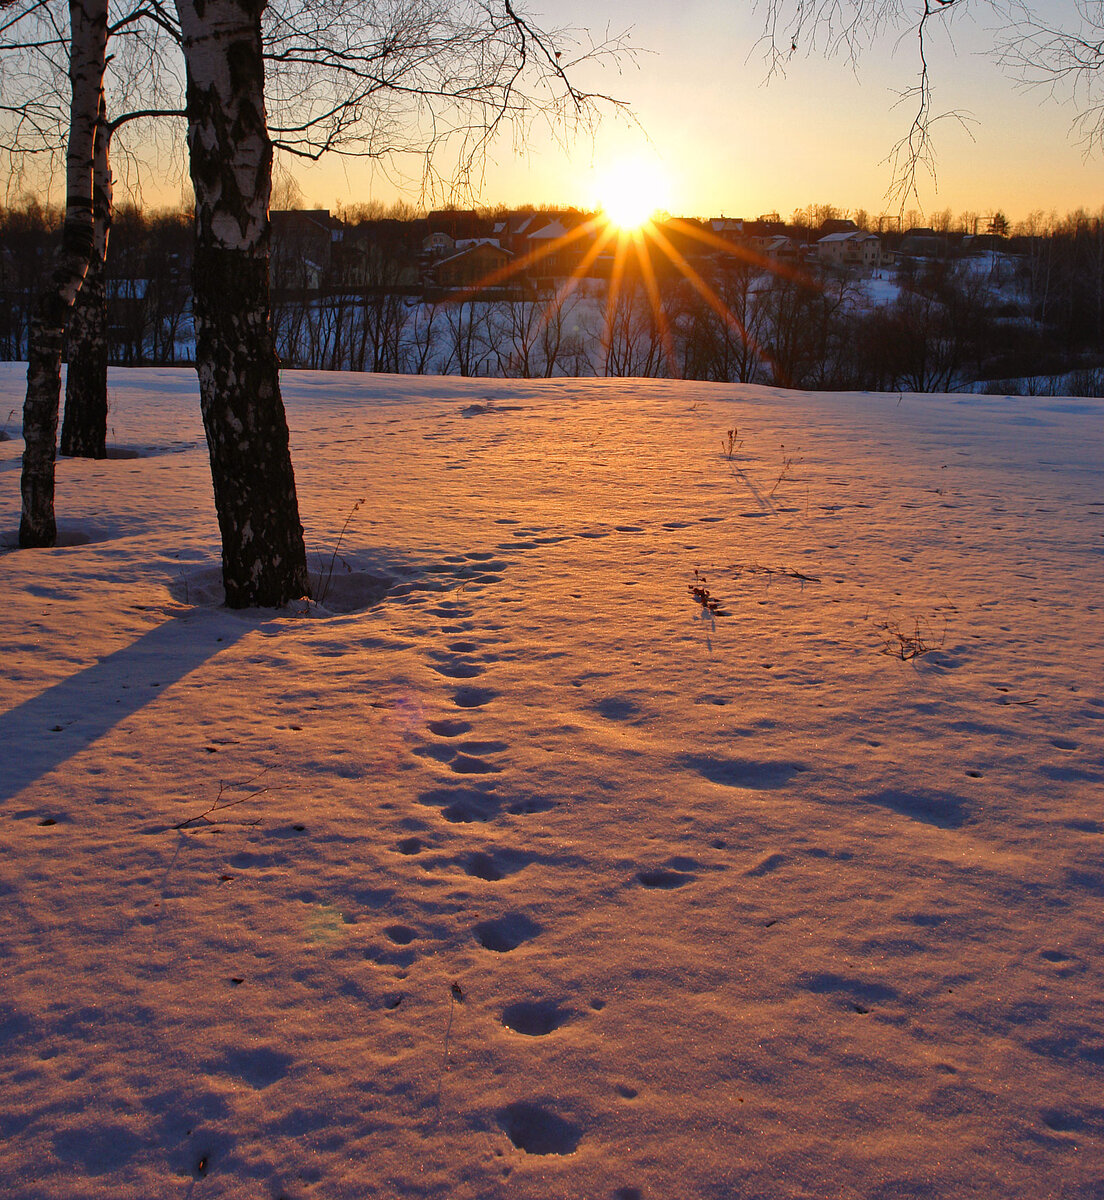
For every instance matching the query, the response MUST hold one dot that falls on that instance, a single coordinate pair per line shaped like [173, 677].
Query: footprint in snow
[452, 667]
[535, 1018]
[473, 697]
[462, 805]
[468, 764]
[493, 867]
[536, 1129]
[505, 933]
[665, 879]
[449, 729]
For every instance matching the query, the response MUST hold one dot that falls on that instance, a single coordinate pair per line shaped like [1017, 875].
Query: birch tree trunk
[84, 428]
[263, 557]
[87, 62]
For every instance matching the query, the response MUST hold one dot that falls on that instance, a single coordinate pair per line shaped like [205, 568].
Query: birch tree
[230, 157]
[34, 125]
[84, 427]
[439, 77]
[87, 61]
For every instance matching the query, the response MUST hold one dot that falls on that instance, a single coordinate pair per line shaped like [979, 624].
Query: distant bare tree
[421, 333]
[1066, 58]
[632, 337]
[467, 336]
[561, 339]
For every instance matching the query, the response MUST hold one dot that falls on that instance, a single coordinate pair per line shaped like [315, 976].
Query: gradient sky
[729, 142]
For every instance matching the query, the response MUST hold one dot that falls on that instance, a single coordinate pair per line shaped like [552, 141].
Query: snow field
[536, 877]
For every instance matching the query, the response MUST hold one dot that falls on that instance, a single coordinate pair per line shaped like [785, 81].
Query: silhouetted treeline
[941, 310]
[148, 281]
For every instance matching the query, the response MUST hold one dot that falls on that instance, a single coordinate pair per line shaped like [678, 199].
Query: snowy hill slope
[629, 820]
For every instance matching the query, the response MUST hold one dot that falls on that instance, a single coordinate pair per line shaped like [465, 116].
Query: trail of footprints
[479, 789]
[477, 797]
[478, 568]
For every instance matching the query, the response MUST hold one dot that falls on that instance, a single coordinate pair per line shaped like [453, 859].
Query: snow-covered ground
[532, 876]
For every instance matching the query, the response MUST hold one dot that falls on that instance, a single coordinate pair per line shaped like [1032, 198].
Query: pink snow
[626, 820]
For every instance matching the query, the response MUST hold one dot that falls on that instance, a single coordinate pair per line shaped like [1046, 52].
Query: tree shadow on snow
[45, 731]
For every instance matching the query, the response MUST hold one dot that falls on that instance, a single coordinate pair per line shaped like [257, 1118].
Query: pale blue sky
[729, 142]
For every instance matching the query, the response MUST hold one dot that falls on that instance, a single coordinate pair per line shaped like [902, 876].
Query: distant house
[302, 248]
[923, 243]
[550, 250]
[468, 243]
[377, 262]
[512, 230]
[850, 249]
[479, 264]
[838, 225]
[776, 246]
[439, 244]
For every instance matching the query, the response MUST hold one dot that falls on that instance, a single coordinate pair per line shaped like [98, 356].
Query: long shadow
[43, 732]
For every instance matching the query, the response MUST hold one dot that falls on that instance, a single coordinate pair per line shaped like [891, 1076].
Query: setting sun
[630, 191]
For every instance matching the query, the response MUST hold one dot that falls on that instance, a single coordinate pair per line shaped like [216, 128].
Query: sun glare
[630, 192]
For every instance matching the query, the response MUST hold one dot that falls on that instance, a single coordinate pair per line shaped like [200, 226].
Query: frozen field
[630, 821]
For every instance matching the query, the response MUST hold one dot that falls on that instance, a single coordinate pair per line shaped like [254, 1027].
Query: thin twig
[218, 805]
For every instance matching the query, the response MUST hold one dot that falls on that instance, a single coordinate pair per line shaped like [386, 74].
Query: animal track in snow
[743, 772]
[617, 708]
[766, 865]
[535, 1018]
[492, 867]
[505, 933]
[467, 764]
[664, 878]
[453, 667]
[473, 697]
[526, 806]
[538, 1130]
[260, 1067]
[861, 993]
[462, 806]
[933, 808]
[461, 647]
[449, 729]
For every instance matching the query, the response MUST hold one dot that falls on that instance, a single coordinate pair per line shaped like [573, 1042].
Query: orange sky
[728, 142]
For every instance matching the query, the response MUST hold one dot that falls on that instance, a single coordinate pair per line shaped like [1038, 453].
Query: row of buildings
[456, 250]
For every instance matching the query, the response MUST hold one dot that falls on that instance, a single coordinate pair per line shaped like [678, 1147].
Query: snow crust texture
[633, 813]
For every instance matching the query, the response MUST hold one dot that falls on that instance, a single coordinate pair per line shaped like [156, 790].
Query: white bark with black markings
[87, 61]
[84, 426]
[263, 556]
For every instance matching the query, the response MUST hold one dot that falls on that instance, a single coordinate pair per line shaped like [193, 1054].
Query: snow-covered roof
[853, 235]
[553, 231]
[468, 250]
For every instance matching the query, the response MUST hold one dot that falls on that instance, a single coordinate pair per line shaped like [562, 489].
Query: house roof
[855, 235]
[550, 232]
[468, 243]
[470, 250]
